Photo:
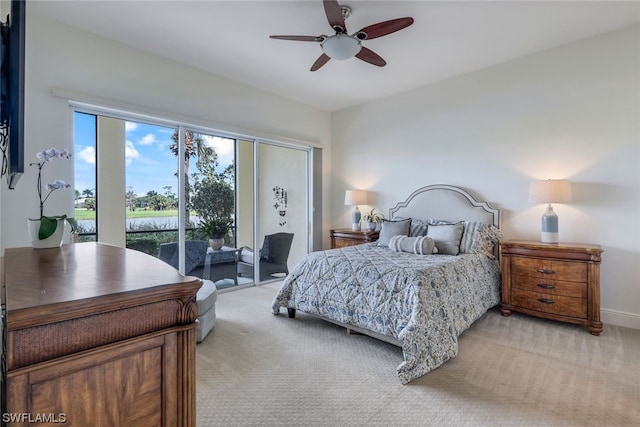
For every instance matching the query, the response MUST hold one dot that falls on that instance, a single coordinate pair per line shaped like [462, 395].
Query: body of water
[159, 222]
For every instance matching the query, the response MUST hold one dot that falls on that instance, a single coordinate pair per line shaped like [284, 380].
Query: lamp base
[546, 237]
[355, 219]
[549, 226]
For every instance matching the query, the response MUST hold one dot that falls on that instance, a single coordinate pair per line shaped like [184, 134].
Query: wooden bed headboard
[445, 202]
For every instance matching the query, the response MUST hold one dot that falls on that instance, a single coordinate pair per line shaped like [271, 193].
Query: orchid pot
[37, 231]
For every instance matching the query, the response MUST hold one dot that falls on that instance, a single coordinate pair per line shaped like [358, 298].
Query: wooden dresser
[554, 281]
[98, 335]
[341, 237]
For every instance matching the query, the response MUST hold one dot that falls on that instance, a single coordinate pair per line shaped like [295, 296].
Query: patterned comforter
[425, 301]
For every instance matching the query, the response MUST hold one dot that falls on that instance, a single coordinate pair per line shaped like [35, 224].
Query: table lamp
[550, 191]
[355, 198]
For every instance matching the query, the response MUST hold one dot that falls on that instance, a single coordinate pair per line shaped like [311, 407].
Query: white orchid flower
[57, 184]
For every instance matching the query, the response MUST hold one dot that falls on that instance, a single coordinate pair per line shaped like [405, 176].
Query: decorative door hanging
[280, 205]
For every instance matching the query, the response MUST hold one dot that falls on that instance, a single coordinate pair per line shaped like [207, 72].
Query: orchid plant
[48, 224]
[373, 217]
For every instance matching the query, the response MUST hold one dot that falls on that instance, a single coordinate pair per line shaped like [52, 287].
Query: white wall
[59, 56]
[571, 112]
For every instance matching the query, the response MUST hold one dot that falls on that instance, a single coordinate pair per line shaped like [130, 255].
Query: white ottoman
[206, 299]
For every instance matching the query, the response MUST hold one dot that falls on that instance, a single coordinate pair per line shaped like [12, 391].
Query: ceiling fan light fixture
[341, 46]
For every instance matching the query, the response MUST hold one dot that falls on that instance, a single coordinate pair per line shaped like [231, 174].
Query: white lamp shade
[550, 191]
[356, 197]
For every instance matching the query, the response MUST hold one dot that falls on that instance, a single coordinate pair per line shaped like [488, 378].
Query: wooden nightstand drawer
[550, 287]
[342, 243]
[549, 269]
[546, 303]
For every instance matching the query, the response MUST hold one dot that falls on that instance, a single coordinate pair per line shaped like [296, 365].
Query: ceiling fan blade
[367, 55]
[320, 62]
[299, 38]
[334, 16]
[383, 28]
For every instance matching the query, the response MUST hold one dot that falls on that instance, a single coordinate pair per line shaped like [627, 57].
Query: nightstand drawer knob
[546, 301]
[545, 286]
[545, 271]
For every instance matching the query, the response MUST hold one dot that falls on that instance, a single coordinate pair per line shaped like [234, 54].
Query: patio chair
[194, 256]
[273, 257]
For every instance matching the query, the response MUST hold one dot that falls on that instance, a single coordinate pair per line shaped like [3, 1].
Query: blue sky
[150, 165]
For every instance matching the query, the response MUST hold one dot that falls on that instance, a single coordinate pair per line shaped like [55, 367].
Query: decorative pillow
[246, 254]
[422, 245]
[487, 238]
[472, 230]
[393, 228]
[440, 222]
[418, 226]
[447, 237]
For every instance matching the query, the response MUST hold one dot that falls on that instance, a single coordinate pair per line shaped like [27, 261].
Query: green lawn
[82, 214]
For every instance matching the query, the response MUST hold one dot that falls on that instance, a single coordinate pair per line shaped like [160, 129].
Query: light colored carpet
[257, 369]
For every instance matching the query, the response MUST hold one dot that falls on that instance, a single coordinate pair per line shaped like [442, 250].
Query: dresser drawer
[549, 269]
[342, 243]
[548, 286]
[546, 303]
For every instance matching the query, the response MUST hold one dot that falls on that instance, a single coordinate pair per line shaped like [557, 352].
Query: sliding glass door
[231, 210]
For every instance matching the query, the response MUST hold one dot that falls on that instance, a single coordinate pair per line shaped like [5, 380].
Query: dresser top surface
[560, 247]
[83, 273]
[349, 231]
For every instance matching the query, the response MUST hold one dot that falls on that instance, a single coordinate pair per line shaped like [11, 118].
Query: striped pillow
[472, 231]
[422, 245]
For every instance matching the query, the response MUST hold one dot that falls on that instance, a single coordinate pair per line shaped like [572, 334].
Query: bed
[397, 289]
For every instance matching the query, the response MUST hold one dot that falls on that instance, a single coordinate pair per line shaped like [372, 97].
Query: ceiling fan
[342, 45]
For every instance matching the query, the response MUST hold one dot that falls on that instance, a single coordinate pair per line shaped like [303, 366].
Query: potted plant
[216, 230]
[372, 219]
[46, 231]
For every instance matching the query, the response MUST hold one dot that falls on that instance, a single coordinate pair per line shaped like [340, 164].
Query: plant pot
[53, 241]
[216, 244]
[371, 226]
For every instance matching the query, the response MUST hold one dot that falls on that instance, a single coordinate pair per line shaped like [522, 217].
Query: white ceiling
[448, 38]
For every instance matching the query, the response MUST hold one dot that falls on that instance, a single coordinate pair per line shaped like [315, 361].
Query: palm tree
[130, 198]
[194, 146]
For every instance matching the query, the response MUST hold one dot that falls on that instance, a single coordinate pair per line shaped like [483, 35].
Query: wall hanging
[280, 205]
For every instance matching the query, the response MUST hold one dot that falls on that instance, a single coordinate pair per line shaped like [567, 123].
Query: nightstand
[341, 237]
[558, 281]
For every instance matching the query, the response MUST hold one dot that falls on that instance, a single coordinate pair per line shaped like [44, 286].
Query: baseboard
[620, 318]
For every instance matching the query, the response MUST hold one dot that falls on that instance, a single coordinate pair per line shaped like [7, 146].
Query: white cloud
[87, 154]
[130, 152]
[148, 139]
[130, 126]
[223, 146]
